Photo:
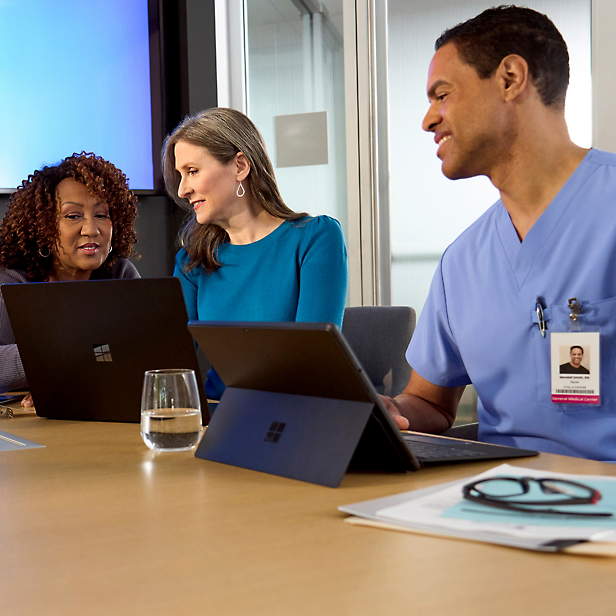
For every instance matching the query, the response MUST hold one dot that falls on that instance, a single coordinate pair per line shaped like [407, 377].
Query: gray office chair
[379, 336]
[467, 411]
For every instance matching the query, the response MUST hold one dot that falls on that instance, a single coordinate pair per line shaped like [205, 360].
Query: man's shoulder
[477, 233]
[601, 157]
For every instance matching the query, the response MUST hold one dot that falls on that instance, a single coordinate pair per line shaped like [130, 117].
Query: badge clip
[574, 314]
[575, 308]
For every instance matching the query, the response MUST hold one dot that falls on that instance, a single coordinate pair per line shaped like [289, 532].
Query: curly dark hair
[223, 133]
[485, 40]
[30, 227]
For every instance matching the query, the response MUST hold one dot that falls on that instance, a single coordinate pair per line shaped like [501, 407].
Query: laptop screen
[86, 345]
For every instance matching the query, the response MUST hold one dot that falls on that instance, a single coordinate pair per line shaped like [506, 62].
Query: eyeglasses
[505, 493]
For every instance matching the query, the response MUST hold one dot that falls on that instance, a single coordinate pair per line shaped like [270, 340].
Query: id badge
[575, 368]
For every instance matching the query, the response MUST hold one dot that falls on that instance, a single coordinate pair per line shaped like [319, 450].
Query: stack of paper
[442, 510]
[9, 442]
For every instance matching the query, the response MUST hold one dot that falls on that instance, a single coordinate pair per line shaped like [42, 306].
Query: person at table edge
[70, 221]
[496, 91]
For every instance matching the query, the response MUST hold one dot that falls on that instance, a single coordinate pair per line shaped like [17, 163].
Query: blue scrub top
[479, 324]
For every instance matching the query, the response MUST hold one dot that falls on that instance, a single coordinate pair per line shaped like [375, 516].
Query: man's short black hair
[485, 40]
[575, 346]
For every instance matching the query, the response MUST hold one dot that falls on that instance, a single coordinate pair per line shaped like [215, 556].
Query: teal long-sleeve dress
[298, 272]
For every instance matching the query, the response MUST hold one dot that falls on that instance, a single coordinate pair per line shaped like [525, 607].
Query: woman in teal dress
[246, 256]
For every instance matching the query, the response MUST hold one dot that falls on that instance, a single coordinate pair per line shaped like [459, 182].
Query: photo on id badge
[575, 367]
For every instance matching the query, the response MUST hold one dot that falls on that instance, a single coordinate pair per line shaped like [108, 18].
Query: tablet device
[298, 404]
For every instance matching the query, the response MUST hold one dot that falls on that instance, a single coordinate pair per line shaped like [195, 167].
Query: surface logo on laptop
[102, 352]
[275, 432]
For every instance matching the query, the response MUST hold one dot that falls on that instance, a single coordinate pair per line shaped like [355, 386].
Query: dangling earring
[237, 192]
[41, 252]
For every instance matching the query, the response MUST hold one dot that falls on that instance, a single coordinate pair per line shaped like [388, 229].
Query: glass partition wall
[338, 90]
[295, 94]
[292, 86]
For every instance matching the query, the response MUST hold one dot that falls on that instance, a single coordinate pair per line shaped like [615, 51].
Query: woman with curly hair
[245, 255]
[71, 221]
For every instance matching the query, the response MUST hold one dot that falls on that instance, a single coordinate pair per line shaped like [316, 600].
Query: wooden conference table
[95, 523]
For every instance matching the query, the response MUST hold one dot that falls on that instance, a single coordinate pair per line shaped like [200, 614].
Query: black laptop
[86, 345]
[298, 404]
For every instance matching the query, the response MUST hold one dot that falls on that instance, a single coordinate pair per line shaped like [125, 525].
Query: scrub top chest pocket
[560, 365]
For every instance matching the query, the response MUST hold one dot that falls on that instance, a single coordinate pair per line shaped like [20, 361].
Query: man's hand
[394, 411]
[423, 406]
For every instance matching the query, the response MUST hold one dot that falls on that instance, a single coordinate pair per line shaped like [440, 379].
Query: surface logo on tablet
[102, 352]
[275, 432]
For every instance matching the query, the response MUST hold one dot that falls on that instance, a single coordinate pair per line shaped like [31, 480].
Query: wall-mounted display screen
[75, 75]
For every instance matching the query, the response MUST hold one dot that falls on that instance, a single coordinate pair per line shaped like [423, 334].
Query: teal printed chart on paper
[476, 512]
[10, 442]
[444, 511]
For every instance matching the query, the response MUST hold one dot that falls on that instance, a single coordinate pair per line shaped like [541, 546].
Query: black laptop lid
[303, 368]
[86, 345]
[309, 359]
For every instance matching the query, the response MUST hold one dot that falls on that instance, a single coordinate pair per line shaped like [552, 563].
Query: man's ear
[513, 76]
[242, 166]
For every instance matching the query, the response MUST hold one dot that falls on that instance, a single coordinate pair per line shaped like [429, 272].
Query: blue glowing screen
[75, 75]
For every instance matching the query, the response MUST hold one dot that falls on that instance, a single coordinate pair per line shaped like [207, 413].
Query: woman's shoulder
[8, 276]
[318, 225]
[184, 267]
[182, 257]
[322, 234]
[183, 261]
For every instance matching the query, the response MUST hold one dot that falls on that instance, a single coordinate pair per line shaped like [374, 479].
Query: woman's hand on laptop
[400, 421]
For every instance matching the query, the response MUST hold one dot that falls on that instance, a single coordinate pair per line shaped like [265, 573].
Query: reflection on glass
[295, 66]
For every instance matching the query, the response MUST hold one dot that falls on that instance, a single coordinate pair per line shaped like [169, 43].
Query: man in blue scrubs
[540, 261]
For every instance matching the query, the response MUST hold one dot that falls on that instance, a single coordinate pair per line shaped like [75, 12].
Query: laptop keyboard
[433, 451]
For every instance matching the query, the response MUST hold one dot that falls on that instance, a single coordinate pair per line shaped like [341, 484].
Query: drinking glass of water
[170, 410]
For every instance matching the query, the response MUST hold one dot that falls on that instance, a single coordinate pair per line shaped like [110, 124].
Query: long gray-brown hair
[223, 133]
